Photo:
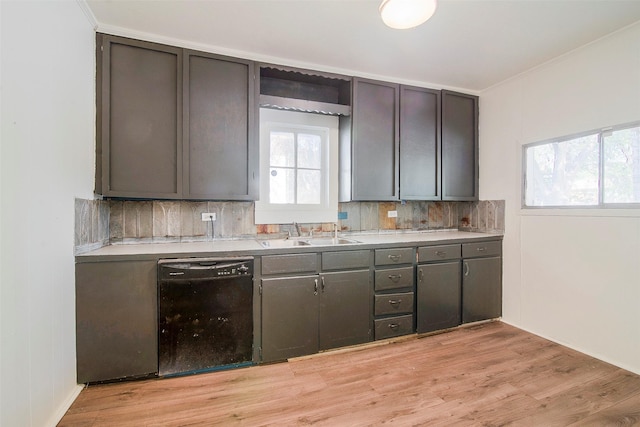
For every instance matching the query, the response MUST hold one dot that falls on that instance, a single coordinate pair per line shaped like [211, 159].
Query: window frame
[601, 134]
[284, 213]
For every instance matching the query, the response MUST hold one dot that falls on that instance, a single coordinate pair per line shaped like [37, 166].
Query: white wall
[46, 159]
[571, 276]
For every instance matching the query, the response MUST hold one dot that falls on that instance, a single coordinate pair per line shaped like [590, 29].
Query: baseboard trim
[64, 407]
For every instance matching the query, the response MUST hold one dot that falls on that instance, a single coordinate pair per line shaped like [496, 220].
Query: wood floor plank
[488, 374]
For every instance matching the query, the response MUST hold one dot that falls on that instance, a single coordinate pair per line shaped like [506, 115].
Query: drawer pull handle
[395, 257]
[395, 277]
[441, 253]
[482, 249]
[393, 326]
[395, 301]
[176, 273]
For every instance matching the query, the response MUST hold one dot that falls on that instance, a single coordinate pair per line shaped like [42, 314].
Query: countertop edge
[156, 251]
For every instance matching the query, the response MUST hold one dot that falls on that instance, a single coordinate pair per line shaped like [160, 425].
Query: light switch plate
[208, 216]
[392, 214]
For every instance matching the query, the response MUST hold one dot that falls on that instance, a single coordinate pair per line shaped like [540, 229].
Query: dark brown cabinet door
[439, 296]
[345, 309]
[419, 143]
[289, 317]
[481, 289]
[459, 146]
[375, 162]
[220, 148]
[116, 320]
[140, 131]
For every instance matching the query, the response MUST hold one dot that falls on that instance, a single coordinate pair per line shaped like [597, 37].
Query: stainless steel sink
[282, 243]
[328, 241]
[314, 241]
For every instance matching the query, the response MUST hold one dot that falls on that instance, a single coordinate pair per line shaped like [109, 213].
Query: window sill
[596, 212]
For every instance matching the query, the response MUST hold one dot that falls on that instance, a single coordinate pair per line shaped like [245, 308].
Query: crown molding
[88, 13]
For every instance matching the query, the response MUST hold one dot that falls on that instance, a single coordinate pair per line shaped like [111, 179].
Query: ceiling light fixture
[403, 14]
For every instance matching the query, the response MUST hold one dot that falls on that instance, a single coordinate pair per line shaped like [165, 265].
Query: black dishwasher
[205, 314]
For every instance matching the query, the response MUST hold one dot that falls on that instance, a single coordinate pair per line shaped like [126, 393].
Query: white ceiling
[468, 44]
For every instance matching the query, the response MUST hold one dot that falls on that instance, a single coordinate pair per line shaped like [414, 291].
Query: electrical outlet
[392, 214]
[208, 216]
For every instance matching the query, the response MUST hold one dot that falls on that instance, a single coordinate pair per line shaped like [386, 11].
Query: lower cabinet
[439, 288]
[345, 312]
[116, 320]
[289, 317]
[439, 292]
[481, 281]
[481, 289]
[305, 314]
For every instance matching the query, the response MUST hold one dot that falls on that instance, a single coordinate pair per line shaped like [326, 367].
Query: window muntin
[596, 169]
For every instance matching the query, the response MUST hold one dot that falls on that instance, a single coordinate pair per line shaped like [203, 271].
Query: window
[596, 169]
[298, 168]
[295, 166]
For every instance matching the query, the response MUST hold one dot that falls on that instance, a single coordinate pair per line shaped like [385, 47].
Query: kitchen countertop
[239, 247]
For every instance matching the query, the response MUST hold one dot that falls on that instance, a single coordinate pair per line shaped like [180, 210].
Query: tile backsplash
[100, 222]
[91, 224]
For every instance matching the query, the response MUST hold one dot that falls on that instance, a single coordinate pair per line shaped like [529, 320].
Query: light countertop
[252, 247]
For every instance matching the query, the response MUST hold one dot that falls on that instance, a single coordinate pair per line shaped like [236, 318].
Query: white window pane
[622, 166]
[563, 173]
[281, 149]
[309, 188]
[309, 151]
[281, 186]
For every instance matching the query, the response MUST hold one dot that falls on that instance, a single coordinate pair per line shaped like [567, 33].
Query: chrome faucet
[297, 227]
[335, 231]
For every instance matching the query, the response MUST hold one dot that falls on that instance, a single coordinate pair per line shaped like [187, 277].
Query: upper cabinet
[220, 154]
[374, 142]
[419, 143]
[393, 149]
[174, 124]
[459, 146]
[139, 135]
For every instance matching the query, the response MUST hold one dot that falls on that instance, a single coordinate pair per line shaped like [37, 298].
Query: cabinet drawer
[394, 256]
[399, 303]
[483, 249]
[393, 326]
[439, 253]
[345, 259]
[394, 278]
[294, 263]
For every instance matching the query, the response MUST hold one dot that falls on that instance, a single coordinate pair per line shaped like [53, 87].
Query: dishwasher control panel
[204, 268]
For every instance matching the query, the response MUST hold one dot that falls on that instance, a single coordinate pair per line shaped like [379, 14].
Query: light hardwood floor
[485, 375]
